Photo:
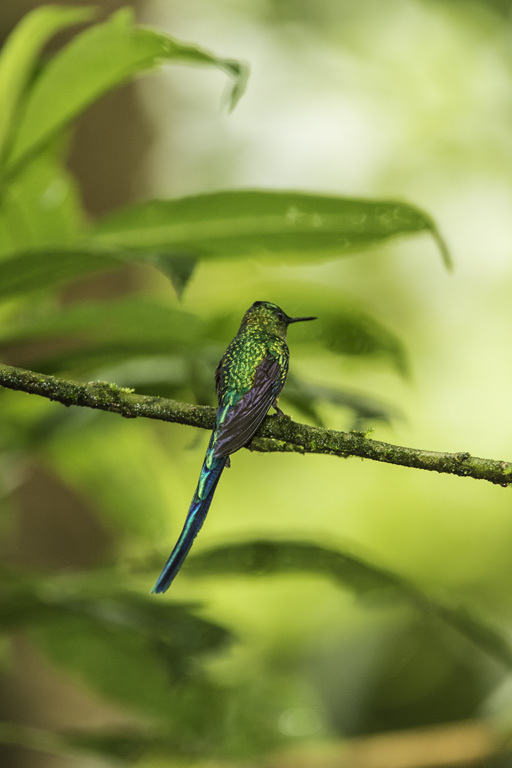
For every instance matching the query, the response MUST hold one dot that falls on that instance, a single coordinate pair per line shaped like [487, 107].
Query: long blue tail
[208, 479]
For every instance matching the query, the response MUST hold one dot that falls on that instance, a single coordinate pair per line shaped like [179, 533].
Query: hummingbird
[248, 380]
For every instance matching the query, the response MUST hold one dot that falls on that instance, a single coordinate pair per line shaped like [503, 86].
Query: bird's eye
[280, 315]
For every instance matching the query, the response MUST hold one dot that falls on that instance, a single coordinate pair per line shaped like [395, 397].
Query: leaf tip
[443, 248]
[239, 71]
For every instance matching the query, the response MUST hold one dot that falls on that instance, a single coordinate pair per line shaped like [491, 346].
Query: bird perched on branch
[248, 380]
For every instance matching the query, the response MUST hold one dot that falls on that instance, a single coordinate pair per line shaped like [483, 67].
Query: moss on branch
[278, 434]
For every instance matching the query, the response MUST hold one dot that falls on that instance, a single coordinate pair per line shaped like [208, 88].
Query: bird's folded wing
[242, 419]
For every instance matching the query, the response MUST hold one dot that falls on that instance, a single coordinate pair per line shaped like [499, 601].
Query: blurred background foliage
[260, 652]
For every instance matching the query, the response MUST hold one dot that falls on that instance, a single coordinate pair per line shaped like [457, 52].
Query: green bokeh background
[404, 100]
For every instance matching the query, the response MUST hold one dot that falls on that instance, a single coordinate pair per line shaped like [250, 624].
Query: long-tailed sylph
[248, 380]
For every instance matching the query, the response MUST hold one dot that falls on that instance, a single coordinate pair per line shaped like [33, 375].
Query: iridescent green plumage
[249, 379]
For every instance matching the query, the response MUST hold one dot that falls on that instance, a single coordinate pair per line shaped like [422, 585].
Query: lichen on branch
[277, 434]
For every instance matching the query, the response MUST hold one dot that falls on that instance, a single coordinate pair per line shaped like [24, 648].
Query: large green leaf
[171, 235]
[20, 53]
[261, 223]
[99, 59]
[351, 572]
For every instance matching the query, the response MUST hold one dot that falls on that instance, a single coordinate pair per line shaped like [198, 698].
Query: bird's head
[268, 317]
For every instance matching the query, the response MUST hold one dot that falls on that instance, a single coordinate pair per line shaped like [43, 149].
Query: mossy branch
[276, 434]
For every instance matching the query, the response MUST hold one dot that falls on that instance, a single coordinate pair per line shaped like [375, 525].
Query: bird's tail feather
[196, 515]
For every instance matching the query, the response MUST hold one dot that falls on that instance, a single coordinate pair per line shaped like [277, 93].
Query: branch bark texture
[278, 434]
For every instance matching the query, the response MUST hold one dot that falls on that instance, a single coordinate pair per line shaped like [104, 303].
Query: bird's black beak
[299, 319]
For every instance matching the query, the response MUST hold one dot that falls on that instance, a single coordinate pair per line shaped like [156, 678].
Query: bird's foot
[279, 413]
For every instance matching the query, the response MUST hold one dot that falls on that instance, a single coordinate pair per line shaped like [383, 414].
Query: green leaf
[130, 324]
[351, 572]
[41, 269]
[94, 334]
[345, 327]
[98, 598]
[261, 223]
[342, 327]
[122, 745]
[179, 268]
[103, 334]
[99, 59]
[171, 235]
[129, 647]
[132, 744]
[20, 53]
[351, 331]
[118, 665]
[305, 396]
[39, 209]
[25, 268]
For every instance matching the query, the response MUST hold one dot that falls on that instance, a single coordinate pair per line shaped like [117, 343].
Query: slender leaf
[99, 59]
[262, 223]
[351, 572]
[20, 53]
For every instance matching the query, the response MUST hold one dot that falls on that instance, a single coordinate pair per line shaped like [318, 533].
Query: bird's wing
[241, 420]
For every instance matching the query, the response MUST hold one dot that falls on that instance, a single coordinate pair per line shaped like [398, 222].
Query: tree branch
[279, 434]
